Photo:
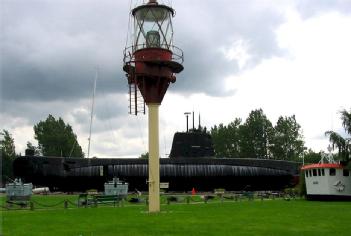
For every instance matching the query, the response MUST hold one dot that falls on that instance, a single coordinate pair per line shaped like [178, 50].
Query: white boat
[327, 181]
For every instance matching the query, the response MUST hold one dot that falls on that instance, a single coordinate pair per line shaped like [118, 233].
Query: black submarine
[191, 164]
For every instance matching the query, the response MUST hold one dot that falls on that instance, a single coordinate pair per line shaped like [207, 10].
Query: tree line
[258, 138]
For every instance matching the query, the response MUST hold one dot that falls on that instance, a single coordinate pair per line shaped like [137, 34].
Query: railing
[177, 53]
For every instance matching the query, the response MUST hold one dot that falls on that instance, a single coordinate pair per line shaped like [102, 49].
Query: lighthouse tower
[151, 63]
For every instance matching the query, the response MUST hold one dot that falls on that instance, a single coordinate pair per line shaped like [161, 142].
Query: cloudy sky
[286, 57]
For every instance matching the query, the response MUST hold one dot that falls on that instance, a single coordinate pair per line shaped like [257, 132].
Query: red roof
[325, 165]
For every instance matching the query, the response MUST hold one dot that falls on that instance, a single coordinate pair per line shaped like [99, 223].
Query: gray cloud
[108, 107]
[34, 112]
[313, 7]
[203, 29]
[50, 48]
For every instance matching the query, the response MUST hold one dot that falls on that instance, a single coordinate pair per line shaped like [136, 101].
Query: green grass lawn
[269, 217]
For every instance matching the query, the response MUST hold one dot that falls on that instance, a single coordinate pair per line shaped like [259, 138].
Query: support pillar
[154, 162]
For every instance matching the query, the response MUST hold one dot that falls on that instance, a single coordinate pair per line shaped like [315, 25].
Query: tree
[256, 135]
[219, 139]
[35, 149]
[312, 157]
[346, 120]
[226, 139]
[144, 155]
[8, 155]
[287, 143]
[234, 138]
[338, 141]
[55, 138]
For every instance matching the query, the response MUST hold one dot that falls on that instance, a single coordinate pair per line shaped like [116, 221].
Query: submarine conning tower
[192, 144]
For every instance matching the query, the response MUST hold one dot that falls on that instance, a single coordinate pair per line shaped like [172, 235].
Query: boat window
[314, 171]
[332, 172]
[323, 172]
[319, 172]
[345, 172]
[310, 172]
[306, 173]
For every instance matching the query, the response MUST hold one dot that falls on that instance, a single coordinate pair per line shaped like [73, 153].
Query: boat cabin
[327, 181]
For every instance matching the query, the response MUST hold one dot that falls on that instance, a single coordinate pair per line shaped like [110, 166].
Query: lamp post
[187, 120]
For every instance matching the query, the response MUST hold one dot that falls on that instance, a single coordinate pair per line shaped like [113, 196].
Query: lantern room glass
[153, 27]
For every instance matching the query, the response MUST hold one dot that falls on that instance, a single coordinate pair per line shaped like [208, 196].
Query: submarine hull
[182, 174]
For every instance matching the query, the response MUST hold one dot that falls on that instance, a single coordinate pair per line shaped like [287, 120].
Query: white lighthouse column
[154, 162]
